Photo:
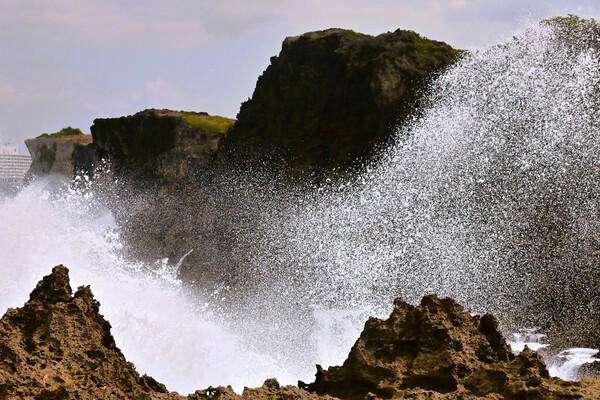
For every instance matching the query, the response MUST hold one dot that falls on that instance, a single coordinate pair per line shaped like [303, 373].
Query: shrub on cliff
[68, 131]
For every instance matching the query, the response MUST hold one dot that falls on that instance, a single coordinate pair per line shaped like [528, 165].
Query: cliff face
[161, 145]
[58, 346]
[331, 97]
[61, 156]
[327, 100]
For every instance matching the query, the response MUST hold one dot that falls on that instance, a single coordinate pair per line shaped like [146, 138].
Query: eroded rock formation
[161, 146]
[437, 350]
[58, 346]
[157, 156]
[326, 101]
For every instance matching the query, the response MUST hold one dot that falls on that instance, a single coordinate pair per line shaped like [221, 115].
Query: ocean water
[488, 195]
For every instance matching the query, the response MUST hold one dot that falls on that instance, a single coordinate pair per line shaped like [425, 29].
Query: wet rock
[437, 350]
[270, 390]
[590, 369]
[215, 393]
[58, 346]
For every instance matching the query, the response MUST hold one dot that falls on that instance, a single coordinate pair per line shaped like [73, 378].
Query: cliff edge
[161, 146]
[63, 156]
[331, 97]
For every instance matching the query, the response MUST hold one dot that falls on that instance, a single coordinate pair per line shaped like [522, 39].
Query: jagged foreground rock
[437, 350]
[58, 346]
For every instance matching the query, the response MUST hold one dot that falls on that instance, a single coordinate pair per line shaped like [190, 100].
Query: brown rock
[437, 350]
[58, 346]
[62, 156]
[270, 390]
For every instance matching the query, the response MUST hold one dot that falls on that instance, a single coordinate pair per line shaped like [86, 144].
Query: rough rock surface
[156, 156]
[328, 99]
[331, 97]
[63, 156]
[58, 346]
[270, 390]
[161, 145]
[437, 350]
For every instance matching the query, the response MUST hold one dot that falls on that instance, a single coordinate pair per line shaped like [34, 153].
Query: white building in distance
[13, 166]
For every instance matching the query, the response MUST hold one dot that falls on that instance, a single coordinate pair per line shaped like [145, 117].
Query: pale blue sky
[66, 62]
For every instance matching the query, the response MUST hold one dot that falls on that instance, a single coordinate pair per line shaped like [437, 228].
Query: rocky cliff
[326, 101]
[161, 160]
[330, 98]
[58, 346]
[63, 156]
[162, 146]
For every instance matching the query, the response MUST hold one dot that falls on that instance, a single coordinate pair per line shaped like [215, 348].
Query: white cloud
[146, 23]
[160, 87]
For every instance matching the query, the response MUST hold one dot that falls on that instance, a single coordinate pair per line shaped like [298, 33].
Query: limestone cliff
[62, 156]
[328, 100]
[159, 145]
[157, 157]
[331, 97]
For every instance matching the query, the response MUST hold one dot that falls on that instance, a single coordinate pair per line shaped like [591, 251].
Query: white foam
[566, 364]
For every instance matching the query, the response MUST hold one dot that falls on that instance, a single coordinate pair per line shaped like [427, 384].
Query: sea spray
[159, 327]
[489, 196]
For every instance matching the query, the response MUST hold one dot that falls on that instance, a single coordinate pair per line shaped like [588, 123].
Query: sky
[67, 62]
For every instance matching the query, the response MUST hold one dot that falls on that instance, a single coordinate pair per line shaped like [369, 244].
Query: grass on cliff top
[209, 123]
[64, 132]
[433, 51]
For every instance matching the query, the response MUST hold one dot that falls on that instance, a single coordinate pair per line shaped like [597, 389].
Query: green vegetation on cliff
[64, 132]
[433, 51]
[576, 32]
[209, 123]
[573, 22]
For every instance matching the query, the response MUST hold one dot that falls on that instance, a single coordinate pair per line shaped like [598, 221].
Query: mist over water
[160, 328]
[489, 195]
